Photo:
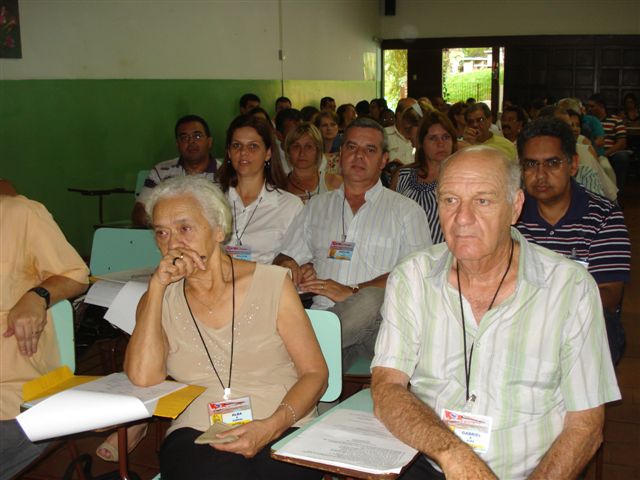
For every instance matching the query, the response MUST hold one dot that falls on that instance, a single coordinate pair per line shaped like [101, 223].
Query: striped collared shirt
[540, 353]
[592, 231]
[385, 229]
[169, 169]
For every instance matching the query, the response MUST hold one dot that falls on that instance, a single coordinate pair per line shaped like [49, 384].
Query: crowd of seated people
[306, 193]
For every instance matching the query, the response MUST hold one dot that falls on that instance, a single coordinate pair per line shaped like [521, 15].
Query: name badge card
[239, 252]
[224, 416]
[341, 250]
[474, 430]
[231, 412]
[584, 263]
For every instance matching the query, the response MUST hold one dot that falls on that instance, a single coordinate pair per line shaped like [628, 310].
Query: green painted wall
[56, 134]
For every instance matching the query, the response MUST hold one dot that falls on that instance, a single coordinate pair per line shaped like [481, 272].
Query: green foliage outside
[395, 76]
[476, 84]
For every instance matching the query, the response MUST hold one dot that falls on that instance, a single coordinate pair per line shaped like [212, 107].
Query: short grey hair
[366, 122]
[513, 177]
[215, 206]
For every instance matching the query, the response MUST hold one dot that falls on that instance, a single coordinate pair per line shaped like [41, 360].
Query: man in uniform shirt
[354, 236]
[194, 143]
[500, 339]
[562, 215]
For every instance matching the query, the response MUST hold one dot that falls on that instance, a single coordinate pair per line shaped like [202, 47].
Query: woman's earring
[267, 164]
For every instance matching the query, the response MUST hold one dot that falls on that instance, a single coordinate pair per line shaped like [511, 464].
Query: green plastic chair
[327, 328]
[142, 176]
[62, 314]
[117, 249]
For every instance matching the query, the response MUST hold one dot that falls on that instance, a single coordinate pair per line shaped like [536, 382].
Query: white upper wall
[195, 39]
[240, 39]
[470, 18]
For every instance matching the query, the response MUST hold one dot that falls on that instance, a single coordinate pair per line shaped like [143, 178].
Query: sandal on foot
[112, 450]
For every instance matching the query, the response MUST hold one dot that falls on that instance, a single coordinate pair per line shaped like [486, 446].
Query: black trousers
[181, 459]
[421, 469]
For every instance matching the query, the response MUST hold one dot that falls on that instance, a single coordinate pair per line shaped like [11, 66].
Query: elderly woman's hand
[253, 437]
[178, 264]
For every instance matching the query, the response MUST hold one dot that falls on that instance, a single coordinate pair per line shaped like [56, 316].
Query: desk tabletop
[361, 401]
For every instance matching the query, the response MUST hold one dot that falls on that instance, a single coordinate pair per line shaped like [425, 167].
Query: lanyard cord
[307, 193]
[235, 221]
[227, 390]
[344, 199]
[467, 367]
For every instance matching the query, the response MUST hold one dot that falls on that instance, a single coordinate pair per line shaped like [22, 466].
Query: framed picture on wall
[10, 46]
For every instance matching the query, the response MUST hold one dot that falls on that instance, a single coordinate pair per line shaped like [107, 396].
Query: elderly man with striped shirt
[563, 216]
[501, 341]
[353, 237]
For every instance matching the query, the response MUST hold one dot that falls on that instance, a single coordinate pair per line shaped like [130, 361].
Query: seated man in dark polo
[354, 236]
[493, 336]
[563, 216]
[194, 142]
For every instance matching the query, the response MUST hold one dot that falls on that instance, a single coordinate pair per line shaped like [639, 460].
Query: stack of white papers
[350, 439]
[120, 292]
[105, 402]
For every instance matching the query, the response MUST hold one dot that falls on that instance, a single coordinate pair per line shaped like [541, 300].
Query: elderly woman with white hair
[236, 327]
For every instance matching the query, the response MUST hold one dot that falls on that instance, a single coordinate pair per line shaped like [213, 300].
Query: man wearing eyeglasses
[194, 142]
[563, 216]
[478, 130]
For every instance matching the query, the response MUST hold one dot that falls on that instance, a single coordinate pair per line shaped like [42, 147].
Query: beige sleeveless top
[262, 368]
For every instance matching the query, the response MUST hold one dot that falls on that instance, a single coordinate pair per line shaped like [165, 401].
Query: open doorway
[473, 73]
[395, 76]
[444, 67]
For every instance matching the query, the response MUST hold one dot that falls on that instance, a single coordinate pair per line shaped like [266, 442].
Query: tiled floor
[622, 430]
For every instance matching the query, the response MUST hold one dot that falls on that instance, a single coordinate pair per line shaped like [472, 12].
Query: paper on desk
[103, 293]
[122, 312]
[350, 439]
[74, 411]
[138, 274]
[105, 402]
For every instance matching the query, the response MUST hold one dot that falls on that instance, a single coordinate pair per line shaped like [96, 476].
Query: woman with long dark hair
[255, 185]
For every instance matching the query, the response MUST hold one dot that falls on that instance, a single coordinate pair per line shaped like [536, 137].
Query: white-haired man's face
[475, 213]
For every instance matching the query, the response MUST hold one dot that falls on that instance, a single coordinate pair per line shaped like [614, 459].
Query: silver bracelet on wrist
[290, 408]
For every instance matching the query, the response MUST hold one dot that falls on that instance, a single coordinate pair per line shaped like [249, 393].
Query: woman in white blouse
[255, 184]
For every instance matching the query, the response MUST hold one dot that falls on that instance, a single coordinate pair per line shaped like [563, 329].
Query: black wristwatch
[43, 292]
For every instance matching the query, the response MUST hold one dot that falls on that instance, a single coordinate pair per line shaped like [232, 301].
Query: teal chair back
[117, 249]
[142, 176]
[327, 328]
[62, 315]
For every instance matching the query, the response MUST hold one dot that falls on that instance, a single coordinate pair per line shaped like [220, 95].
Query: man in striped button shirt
[353, 237]
[501, 338]
[563, 216]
